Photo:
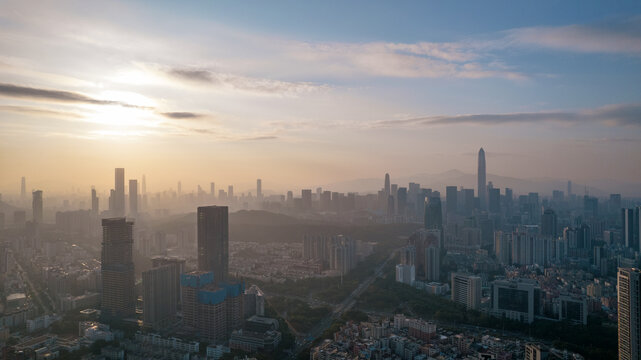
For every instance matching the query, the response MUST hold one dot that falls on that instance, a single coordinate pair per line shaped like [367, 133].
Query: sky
[303, 94]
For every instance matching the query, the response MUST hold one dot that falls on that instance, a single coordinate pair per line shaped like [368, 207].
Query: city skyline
[548, 96]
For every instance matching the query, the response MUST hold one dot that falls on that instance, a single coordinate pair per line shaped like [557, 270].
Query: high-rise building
[37, 206]
[306, 196]
[178, 266]
[118, 285]
[432, 261]
[213, 241]
[179, 189]
[133, 198]
[212, 189]
[23, 189]
[95, 202]
[159, 296]
[451, 199]
[548, 223]
[433, 213]
[259, 188]
[230, 193]
[401, 195]
[144, 185]
[630, 230]
[466, 290]
[419, 242]
[386, 186]
[494, 200]
[119, 194]
[482, 185]
[503, 247]
[629, 303]
[342, 254]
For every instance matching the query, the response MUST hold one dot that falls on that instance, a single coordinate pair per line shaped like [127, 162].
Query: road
[341, 308]
[36, 294]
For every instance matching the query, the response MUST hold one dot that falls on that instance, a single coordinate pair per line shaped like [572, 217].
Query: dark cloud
[193, 75]
[612, 115]
[11, 90]
[182, 115]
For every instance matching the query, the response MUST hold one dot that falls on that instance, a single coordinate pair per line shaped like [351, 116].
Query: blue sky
[304, 93]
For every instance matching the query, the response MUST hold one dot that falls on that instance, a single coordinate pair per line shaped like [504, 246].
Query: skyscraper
[160, 289]
[630, 230]
[144, 185]
[119, 193]
[306, 197]
[23, 188]
[548, 223]
[466, 290]
[133, 198]
[482, 186]
[629, 302]
[433, 213]
[259, 188]
[37, 206]
[451, 199]
[95, 202]
[118, 285]
[386, 187]
[213, 241]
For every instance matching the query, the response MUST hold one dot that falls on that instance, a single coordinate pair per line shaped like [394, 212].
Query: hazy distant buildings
[630, 227]
[306, 199]
[95, 202]
[466, 290]
[342, 255]
[629, 312]
[23, 189]
[451, 200]
[133, 198]
[549, 223]
[482, 184]
[37, 206]
[213, 240]
[259, 189]
[118, 288]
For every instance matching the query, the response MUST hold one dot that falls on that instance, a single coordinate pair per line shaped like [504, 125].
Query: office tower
[119, 194]
[468, 201]
[503, 247]
[230, 193]
[516, 299]
[159, 296]
[177, 265]
[494, 200]
[629, 302]
[433, 213]
[630, 230]
[213, 241]
[118, 285]
[466, 290]
[133, 197]
[548, 223]
[386, 187]
[393, 190]
[509, 201]
[432, 261]
[95, 202]
[408, 255]
[401, 195]
[590, 206]
[481, 184]
[259, 188]
[569, 188]
[179, 188]
[212, 310]
[306, 196]
[451, 199]
[37, 206]
[23, 189]
[390, 205]
[254, 302]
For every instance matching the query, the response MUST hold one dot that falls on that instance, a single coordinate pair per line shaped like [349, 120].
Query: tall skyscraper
[213, 241]
[482, 185]
[451, 199]
[230, 193]
[466, 290]
[37, 206]
[119, 193]
[95, 202]
[629, 302]
[259, 188]
[433, 213]
[306, 197]
[133, 198]
[23, 189]
[144, 185]
[212, 189]
[548, 223]
[386, 186]
[630, 230]
[159, 295]
[179, 188]
[118, 283]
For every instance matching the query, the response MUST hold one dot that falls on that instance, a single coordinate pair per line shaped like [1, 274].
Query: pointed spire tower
[482, 185]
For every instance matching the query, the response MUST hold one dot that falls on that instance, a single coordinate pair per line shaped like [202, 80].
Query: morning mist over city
[331, 180]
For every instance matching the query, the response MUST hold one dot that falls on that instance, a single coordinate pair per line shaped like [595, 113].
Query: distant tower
[119, 193]
[482, 186]
[179, 188]
[569, 187]
[118, 282]
[213, 241]
[259, 188]
[23, 189]
[387, 188]
[230, 192]
[37, 206]
[144, 184]
[95, 205]
[212, 189]
[629, 302]
[133, 197]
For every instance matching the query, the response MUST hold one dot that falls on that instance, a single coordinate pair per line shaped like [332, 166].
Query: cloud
[610, 115]
[262, 137]
[181, 115]
[244, 83]
[34, 111]
[62, 96]
[612, 37]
